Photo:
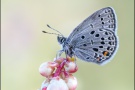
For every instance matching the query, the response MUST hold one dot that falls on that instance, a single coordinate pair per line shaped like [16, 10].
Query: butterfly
[94, 40]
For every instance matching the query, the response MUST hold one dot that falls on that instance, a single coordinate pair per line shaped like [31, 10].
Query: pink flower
[59, 74]
[57, 83]
[47, 68]
[71, 67]
[71, 82]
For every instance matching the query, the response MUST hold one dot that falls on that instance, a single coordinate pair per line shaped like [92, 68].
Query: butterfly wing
[95, 39]
[103, 18]
[98, 47]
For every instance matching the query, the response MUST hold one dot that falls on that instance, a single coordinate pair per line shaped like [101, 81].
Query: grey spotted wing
[103, 18]
[97, 46]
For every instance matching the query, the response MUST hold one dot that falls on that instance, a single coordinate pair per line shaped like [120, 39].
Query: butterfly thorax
[66, 47]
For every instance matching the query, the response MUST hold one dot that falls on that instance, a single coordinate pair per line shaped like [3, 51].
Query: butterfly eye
[61, 39]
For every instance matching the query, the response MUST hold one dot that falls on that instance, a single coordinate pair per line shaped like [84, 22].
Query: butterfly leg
[75, 58]
[59, 53]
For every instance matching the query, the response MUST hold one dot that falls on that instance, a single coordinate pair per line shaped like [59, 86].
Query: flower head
[59, 74]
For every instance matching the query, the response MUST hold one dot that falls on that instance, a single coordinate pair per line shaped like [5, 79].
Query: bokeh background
[24, 47]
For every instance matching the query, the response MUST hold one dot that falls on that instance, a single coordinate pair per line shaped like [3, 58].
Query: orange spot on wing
[105, 53]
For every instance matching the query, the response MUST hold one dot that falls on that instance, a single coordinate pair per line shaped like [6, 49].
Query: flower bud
[71, 67]
[57, 84]
[59, 60]
[47, 68]
[71, 82]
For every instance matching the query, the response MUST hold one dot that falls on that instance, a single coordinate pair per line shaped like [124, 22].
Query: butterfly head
[61, 39]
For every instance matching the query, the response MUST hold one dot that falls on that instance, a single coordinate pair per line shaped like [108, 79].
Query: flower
[59, 74]
[47, 68]
[57, 83]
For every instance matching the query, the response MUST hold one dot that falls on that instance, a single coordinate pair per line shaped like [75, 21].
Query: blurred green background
[25, 47]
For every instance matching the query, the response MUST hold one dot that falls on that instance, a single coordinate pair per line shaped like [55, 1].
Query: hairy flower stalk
[59, 74]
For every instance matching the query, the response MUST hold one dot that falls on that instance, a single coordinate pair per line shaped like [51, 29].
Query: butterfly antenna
[54, 30]
[50, 33]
